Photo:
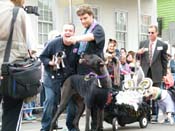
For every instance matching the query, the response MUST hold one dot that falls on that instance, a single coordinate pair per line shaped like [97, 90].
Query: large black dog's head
[98, 66]
[95, 63]
[92, 61]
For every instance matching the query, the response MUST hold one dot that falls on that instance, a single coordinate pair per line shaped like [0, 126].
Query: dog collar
[94, 75]
[97, 76]
[158, 97]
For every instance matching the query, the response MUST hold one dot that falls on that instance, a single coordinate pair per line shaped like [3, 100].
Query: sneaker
[27, 118]
[57, 127]
[154, 120]
[33, 117]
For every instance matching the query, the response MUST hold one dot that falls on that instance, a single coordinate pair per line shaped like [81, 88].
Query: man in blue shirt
[91, 42]
[53, 79]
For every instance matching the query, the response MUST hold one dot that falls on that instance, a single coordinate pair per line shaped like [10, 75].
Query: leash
[97, 76]
[94, 75]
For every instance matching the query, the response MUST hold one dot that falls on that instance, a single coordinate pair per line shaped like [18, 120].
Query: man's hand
[141, 51]
[164, 78]
[1, 77]
[73, 39]
[52, 62]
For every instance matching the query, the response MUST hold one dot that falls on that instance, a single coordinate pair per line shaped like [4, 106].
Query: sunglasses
[151, 32]
[111, 40]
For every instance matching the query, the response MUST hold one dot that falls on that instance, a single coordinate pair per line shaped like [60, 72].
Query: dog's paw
[171, 120]
[162, 121]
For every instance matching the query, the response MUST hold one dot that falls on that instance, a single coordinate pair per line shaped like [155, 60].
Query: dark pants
[71, 112]
[52, 88]
[11, 117]
[153, 103]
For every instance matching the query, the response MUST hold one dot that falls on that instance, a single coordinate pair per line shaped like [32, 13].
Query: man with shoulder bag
[18, 29]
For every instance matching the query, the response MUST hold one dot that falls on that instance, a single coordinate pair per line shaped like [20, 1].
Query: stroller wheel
[115, 124]
[143, 122]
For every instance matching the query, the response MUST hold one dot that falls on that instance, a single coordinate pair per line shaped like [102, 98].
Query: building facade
[124, 20]
[166, 11]
[166, 20]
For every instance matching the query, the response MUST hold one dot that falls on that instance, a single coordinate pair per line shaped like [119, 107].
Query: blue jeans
[42, 95]
[52, 97]
[71, 112]
[28, 105]
[173, 76]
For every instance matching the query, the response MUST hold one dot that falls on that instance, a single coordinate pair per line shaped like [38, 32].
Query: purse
[168, 80]
[21, 78]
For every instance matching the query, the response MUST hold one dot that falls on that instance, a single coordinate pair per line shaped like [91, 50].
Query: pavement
[35, 125]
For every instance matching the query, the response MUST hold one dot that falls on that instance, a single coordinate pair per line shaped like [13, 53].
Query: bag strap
[9, 42]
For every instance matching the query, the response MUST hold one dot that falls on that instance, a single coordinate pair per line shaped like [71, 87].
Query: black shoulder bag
[21, 78]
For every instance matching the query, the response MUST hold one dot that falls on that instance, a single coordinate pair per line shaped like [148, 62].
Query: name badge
[160, 48]
[146, 49]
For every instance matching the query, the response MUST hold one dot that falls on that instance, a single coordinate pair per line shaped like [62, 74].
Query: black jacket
[71, 59]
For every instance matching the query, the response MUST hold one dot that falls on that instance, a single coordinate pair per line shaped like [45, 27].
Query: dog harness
[92, 75]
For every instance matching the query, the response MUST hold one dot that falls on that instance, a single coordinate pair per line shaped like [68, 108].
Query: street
[36, 125]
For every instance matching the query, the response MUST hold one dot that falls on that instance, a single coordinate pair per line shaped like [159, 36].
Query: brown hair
[85, 9]
[18, 2]
[132, 53]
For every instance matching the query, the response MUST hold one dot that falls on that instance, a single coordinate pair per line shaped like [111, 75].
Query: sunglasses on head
[111, 40]
[151, 32]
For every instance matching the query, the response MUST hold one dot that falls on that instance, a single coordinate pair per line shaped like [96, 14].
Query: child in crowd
[27, 111]
[113, 63]
[130, 59]
[125, 71]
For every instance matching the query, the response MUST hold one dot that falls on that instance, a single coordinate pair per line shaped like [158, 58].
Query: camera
[32, 10]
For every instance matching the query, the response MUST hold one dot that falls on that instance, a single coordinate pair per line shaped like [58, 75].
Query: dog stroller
[127, 106]
[122, 114]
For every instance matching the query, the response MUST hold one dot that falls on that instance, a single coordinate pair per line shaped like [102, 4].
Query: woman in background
[112, 62]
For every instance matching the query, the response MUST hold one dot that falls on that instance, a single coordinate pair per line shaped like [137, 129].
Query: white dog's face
[147, 92]
[151, 93]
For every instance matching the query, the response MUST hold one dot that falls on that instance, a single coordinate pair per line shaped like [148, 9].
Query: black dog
[91, 90]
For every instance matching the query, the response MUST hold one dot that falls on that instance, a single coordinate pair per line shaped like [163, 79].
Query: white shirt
[153, 46]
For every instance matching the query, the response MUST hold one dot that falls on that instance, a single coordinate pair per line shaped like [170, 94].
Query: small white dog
[165, 102]
[58, 58]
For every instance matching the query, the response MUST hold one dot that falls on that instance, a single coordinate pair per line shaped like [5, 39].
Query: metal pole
[70, 11]
[139, 20]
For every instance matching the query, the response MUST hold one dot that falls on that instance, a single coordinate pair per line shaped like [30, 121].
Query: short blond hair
[18, 2]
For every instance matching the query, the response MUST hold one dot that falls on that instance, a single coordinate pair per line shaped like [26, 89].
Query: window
[145, 22]
[45, 22]
[96, 13]
[121, 19]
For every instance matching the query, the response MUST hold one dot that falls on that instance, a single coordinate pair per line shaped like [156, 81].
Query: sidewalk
[35, 125]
